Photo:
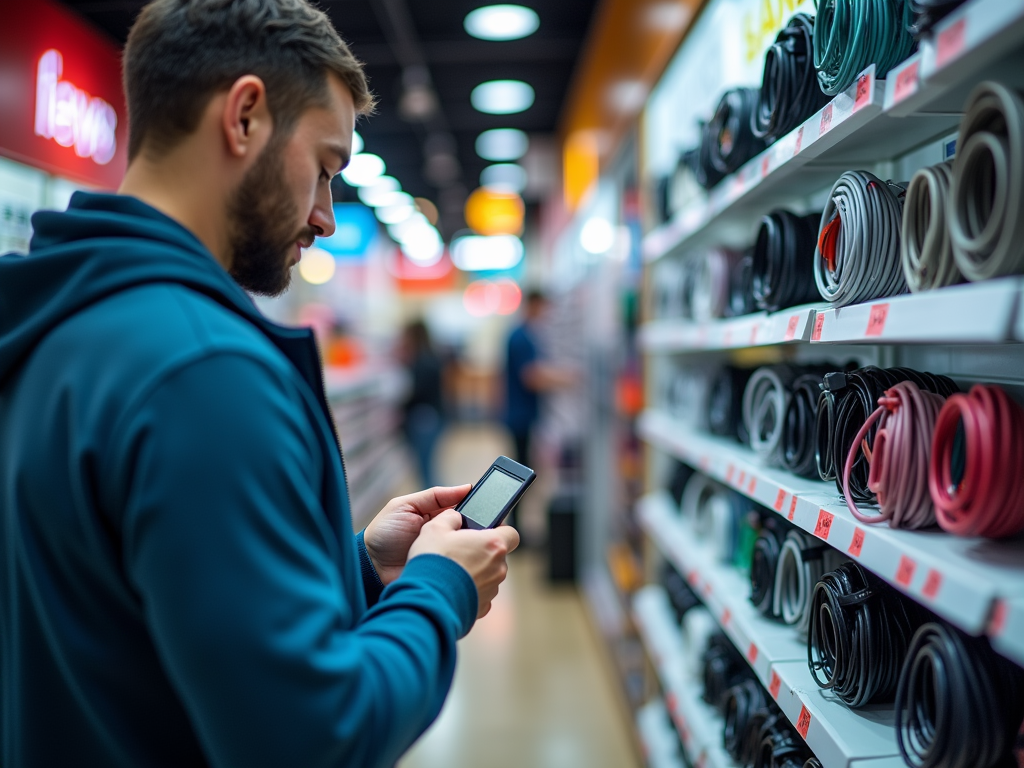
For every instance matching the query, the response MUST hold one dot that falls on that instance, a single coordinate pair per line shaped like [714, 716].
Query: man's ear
[246, 119]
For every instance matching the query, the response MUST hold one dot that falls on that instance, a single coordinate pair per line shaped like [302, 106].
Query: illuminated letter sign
[70, 116]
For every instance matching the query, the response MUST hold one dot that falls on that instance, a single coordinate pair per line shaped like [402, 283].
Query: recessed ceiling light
[376, 194]
[476, 253]
[597, 236]
[363, 169]
[502, 22]
[502, 144]
[507, 177]
[395, 214]
[502, 97]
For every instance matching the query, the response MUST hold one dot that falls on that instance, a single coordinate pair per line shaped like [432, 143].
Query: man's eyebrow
[342, 153]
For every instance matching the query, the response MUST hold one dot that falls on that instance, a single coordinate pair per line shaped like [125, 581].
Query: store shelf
[660, 745]
[959, 579]
[761, 329]
[698, 725]
[973, 313]
[837, 735]
[1006, 629]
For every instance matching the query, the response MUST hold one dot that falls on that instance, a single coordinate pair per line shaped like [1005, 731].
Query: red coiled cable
[899, 460]
[987, 497]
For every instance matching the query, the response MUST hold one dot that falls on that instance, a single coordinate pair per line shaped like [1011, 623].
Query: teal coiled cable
[850, 35]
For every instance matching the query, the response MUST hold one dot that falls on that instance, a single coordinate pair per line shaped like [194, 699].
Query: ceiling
[425, 41]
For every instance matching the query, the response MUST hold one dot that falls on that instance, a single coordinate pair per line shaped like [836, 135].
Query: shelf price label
[950, 42]
[907, 82]
[803, 723]
[753, 335]
[765, 165]
[776, 685]
[780, 500]
[864, 86]
[729, 472]
[819, 325]
[726, 617]
[876, 320]
[932, 584]
[792, 509]
[826, 120]
[752, 487]
[671, 702]
[794, 321]
[997, 623]
[752, 653]
[905, 571]
[824, 526]
[799, 141]
[858, 542]
[743, 479]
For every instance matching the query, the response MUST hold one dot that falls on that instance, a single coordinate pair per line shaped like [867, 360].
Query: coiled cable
[783, 261]
[925, 14]
[763, 567]
[800, 566]
[741, 703]
[765, 401]
[925, 246]
[859, 633]
[789, 84]
[849, 35]
[741, 287]
[799, 426]
[733, 142]
[986, 204]
[698, 627]
[899, 459]
[858, 254]
[725, 403]
[723, 668]
[711, 284]
[959, 704]
[977, 463]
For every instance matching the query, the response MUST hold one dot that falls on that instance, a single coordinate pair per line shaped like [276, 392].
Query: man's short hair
[182, 52]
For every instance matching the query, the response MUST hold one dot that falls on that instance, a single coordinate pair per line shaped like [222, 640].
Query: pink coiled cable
[899, 459]
[988, 500]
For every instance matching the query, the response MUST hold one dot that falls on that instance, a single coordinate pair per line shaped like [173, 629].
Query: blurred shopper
[424, 408]
[180, 581]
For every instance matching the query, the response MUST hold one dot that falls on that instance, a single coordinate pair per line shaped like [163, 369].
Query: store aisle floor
[532, 688]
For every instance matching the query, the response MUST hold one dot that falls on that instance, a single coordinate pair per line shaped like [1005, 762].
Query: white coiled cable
[698, 627]
[800, 566]
[765, 401]
[925, 246]
[711, 282]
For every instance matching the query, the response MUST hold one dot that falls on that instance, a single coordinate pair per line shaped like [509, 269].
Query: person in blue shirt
[179, 580]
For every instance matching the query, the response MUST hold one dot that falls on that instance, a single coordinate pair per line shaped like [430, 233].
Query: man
[180, 584]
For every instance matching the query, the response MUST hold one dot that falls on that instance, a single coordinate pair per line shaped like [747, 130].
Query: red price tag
[799, 141]
[726, 617]
[775, 686]
[764, 166]
[753, 485]
[858, 542]
[819, 325]
[824, 526]
[932, 584]
[863, 96]
[803, 723]
[693, 579]
[905, 571]
[752, 653]
[826, 120]
[671, 702]
[876, 322]
[792, 509]
[950, 42]
[794, 321]
[907, 82]
[997, 623]
[753, 336]
[729, 472]
[780, 500]
[743, 479]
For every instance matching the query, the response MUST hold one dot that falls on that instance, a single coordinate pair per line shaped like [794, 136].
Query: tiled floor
[532, 689]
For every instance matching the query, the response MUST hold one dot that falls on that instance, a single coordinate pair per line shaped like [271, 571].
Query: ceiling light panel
[502, 144]
[502, 97]
[502, 22]
[505, 177]
[363, 169]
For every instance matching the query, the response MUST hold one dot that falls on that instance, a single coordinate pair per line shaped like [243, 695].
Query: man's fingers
[449, 519]
[509, 535]
[433, 500]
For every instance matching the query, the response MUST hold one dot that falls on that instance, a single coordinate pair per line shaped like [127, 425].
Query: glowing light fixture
[475, 253]
[395, 214]
[502, 144]
[597, 236]
[500, 297]
[425, 251]
[363, 169]
[504, 177]
[502, 22]
[317, 266]
[495, 212]
[357, 143]
[502, 97]
[376, 193]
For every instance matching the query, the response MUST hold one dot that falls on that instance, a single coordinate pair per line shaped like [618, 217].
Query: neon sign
[70, 116]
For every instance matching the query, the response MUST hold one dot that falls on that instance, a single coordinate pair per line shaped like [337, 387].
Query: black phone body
[495, 494]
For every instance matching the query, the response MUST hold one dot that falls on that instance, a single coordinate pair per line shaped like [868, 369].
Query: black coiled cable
[783, 265]
[732, 140]
[846, 401]
[764, 565]
[681, 475]
[682, 597]
[859, 634]
[700, 159]
[925, 14]
[813, 762]
[723, 669]
[741, 703]
[741, 288]
[799, 426]
[725, 403]
[959, 704]
[789, 84]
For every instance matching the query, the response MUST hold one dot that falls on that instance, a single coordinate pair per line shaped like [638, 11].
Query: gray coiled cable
[926, 247]
[858, 255]
[801, 565]
[765, 401]
[986, 204]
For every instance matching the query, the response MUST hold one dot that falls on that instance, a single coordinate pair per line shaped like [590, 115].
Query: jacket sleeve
[372, 585]
[250, 599]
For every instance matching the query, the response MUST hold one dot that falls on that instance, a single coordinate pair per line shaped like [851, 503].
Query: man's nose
[322, 217]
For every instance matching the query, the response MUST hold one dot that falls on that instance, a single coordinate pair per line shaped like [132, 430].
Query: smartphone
[495, 494]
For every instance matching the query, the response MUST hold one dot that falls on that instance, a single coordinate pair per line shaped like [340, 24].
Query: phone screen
[496, 490]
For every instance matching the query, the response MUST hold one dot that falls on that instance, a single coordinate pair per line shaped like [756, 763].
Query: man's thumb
[449, 520]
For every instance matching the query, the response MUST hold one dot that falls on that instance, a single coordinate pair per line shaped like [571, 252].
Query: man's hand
[481, 553]
[390, 534]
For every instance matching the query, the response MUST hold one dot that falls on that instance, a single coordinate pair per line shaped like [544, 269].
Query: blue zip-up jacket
[179, 583]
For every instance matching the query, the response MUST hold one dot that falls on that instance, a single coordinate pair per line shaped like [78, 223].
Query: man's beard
[261, 217]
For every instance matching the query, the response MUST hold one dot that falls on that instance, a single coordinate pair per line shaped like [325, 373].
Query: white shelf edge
[761, 329]
[959, 579]
[655, 730]
[972, 313]
[1006, 628]
[837, 735]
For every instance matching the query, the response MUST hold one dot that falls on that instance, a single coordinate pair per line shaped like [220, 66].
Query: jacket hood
[101, 245]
